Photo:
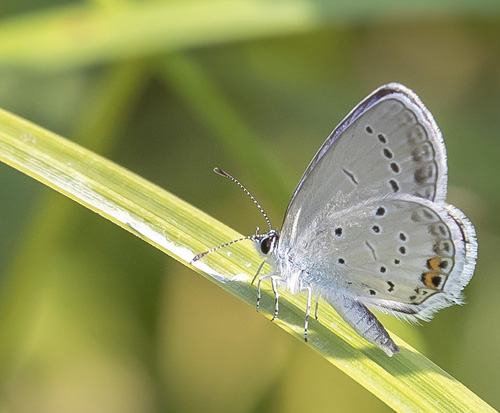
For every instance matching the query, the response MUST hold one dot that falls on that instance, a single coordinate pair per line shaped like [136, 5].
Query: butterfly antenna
[201, 255]
[226, 175]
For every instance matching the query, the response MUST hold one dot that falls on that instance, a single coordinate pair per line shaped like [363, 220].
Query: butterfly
[368, 226]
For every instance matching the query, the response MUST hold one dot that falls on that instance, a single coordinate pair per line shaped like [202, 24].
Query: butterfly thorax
[298, 271]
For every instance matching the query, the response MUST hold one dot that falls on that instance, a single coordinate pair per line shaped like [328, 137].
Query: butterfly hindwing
[399, 253]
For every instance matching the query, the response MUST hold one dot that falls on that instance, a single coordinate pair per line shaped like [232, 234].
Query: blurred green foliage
[92, 318]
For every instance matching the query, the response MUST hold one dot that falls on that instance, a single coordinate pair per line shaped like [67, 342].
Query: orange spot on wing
[432, 279]
[434, 264]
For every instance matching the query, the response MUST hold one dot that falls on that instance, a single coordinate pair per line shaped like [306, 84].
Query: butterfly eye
[265, 245]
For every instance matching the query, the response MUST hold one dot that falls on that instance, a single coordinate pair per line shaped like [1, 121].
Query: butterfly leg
[363, 322]
[274, 282]
[258, 271]
[265, 277]
[316, 310]
[308, 308]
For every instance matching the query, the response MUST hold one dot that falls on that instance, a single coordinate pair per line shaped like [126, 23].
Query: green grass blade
[81, 35]
[406, 382]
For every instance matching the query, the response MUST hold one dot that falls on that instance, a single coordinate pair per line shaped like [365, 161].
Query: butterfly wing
[368, 220]
[399, 253]
[388, 144]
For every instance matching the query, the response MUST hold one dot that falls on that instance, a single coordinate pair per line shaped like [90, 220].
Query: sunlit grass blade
[406, 382]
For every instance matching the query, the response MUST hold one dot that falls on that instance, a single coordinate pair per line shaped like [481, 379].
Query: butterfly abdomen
[362, 321]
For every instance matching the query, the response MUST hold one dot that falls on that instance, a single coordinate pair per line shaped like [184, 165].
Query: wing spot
[402, 250]
[387, 153]
[372, 292]
[431, 279]
[436, 280]
[397, 262]
[351, 176]
[402, 236]
[382, 138]
[439, 230]
[394, 185]
[369, 129]
[427, 214]
[443, 247]
[395, 167]
[383, 269]
[370, 246]
[341, 261]
[416, 217]
[423, 214]
[380, 212]
[338, 232]
[376, 229]
[434, 264]
[424, 173]
[425, 153]
[391, 286]
[416, 135]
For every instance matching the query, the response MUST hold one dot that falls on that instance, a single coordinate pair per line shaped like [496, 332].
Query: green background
[94, 319]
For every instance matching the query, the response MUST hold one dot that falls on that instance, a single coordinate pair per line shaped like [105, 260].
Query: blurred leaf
[196, 88]
[406, 382]
[83, 35]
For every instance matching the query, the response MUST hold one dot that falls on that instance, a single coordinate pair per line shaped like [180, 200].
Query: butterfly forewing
[389, 144]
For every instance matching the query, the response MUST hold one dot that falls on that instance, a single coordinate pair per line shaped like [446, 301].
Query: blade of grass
[406, 382]
[79, 35]
[98, 125]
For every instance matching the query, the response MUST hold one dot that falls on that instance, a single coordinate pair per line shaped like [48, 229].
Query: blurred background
[93, 319]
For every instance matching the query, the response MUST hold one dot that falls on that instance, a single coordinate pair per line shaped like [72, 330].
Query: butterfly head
[267, 243]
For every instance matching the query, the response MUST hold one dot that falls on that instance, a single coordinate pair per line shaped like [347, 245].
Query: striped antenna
[226, 175]
[201, 255]
[254, 237]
